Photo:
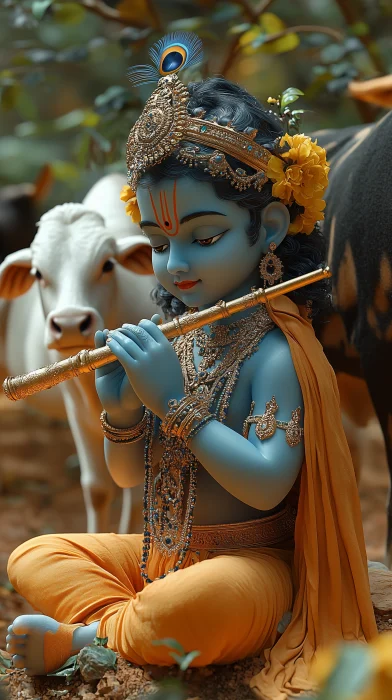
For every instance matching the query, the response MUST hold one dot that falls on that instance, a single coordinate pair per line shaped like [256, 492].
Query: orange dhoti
[226, 604]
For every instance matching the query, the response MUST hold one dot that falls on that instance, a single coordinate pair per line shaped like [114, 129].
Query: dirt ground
[40, 493]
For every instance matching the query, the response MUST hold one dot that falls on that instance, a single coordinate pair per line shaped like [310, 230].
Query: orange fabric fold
[331, 585]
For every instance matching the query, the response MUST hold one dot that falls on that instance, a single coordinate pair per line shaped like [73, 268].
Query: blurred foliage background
[65, 98]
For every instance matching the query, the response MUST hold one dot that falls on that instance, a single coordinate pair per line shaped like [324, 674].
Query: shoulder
[274, 353]
[274, 372]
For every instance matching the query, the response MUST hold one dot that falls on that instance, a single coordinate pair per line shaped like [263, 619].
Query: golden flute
[23, 385]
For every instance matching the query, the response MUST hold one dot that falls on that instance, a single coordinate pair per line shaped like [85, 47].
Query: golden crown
[165, 122]
[300, 174]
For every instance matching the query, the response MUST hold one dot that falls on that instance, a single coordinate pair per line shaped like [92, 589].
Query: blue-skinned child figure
[251, 513]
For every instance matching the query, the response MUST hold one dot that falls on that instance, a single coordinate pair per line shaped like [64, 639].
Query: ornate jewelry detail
[263, 532]
[182, 415]
[266, 424]
[165, 122]
[170, 495]
[271, 267]
[216, 164]
[124, 435]
[159, 129]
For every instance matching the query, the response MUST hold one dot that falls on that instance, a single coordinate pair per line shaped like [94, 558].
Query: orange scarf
[331, 586]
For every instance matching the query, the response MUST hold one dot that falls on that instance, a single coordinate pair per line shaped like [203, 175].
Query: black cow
[18, 212]
[358, 225]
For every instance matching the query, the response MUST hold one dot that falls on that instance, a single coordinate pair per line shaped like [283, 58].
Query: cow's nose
[62, 326]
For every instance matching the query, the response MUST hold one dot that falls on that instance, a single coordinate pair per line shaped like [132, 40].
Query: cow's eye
[38, 275]
[108, 266]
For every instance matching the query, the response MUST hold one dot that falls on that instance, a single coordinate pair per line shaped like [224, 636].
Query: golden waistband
[263, 532]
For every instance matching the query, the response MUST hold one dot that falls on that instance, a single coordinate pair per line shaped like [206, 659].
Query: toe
[14, 647]
[20, 624]
[18, 661]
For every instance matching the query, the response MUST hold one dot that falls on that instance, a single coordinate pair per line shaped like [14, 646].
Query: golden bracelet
[124, 435]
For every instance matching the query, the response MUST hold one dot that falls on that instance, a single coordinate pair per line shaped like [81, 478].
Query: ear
[135, 254]
[275, 221]
[378, 91]
[15, 274]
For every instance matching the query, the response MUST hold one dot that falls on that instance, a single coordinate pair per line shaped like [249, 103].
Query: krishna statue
[253, 541]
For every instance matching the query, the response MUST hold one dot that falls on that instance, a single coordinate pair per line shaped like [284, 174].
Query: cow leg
[375, 357]
[97, 484]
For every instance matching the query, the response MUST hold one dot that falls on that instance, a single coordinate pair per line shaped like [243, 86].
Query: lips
[186, 284]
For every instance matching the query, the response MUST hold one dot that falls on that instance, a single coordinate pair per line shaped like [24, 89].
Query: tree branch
[305, 28]
[300, 29]
[100, 8]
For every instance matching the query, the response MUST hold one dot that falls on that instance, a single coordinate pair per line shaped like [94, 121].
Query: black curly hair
[227, 102]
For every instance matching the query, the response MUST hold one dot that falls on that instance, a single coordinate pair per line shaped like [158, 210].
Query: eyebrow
[184, 219]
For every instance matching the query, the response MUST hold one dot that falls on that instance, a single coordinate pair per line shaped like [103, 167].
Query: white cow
[83, 272]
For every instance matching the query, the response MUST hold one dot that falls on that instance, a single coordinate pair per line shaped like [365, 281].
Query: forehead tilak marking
[167, 220]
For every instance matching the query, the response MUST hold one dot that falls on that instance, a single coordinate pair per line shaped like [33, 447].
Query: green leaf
[39, 8]
[9, 95]
[239, 28]
[292, 91]
[171, 643]
[4, 663]
[68, 12]
[100, 641]
[360, 28]
[68, 669]
[190, 24]
[177, 658]
[187, 660]
[288, 99]
[333, 53]
[78, 117]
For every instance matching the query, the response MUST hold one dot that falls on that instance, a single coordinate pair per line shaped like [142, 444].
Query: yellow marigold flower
[306, 221]
[303, 179]
[126, 193]
[132, 209]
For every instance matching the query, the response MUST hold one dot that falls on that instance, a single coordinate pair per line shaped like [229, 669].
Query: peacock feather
[169, 55]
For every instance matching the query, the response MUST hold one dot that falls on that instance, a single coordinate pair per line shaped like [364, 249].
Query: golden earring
[271, 267]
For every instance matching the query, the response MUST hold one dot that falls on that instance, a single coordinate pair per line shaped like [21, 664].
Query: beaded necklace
[170, 495]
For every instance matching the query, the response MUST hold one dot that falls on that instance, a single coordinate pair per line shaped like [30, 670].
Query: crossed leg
[226, 606]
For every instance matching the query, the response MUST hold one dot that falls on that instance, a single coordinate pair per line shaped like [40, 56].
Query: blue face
[201, 252]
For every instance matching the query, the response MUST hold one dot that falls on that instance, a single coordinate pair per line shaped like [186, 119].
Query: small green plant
[180, 656]
[290, 118]
[174, 688]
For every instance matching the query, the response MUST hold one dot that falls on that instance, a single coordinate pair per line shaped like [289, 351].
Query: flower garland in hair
[132, 209]
[300, 174]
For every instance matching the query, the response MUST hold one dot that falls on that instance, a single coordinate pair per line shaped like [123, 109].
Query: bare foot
[25, 641]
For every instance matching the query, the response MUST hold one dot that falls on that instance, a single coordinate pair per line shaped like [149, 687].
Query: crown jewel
[165, 123]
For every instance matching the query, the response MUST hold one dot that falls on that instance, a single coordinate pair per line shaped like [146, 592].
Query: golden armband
[266, 424]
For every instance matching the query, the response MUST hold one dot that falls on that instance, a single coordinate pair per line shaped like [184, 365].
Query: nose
[63, 325]
[177, 261]
[73, 328]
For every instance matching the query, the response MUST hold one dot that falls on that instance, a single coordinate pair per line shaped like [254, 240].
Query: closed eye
[206, 242]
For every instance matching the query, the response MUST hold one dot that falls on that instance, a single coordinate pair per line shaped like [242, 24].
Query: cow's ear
[134, 253]
[377, 91]
[15, 274]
